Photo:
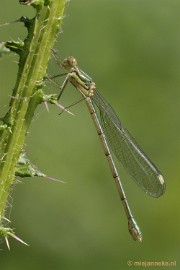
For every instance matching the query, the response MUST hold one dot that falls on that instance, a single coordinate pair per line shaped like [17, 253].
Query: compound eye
[72, 60]
[69, 62]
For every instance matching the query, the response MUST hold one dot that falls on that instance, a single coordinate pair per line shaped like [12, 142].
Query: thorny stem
[34, 55]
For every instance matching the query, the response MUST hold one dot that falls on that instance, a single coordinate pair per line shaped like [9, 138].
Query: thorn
[53, 100]
[22, 19]
[17, 238]
[8, 232]
[4, 24]
[7, 242]
[17, 181]
[6, 219]
[54, 179]
[46, 105]
[63, 108]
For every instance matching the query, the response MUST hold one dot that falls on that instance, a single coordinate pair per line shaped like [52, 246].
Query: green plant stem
[27, 94]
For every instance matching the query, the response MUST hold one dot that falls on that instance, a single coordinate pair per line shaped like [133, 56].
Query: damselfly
[116, 138]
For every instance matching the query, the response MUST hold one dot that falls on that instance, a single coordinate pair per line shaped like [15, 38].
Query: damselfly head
[69, 62]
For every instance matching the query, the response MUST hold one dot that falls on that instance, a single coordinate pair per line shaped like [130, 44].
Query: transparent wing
[127, 151]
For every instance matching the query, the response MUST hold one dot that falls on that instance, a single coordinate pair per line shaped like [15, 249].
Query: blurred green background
[131, 48]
